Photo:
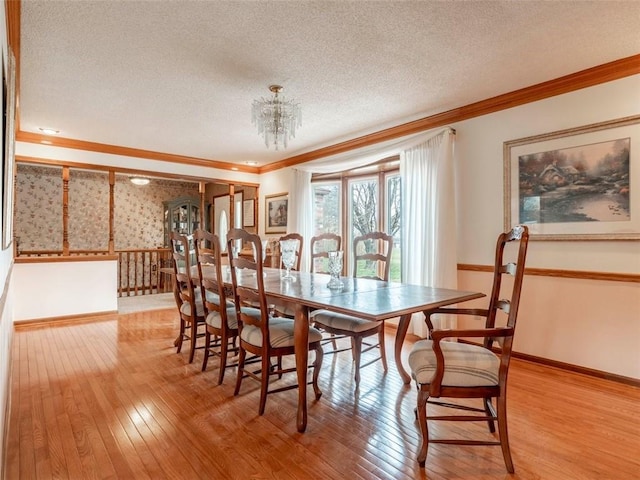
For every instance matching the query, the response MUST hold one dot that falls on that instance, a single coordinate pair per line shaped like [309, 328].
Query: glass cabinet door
[180, 223]
[194, 217]
[181, 215]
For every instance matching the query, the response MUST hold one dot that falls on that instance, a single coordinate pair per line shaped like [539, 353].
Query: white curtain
[301, 208]
[429, 219]
[363, 156]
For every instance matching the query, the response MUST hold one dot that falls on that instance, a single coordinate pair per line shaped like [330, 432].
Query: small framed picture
[248, 213]
[276, 211]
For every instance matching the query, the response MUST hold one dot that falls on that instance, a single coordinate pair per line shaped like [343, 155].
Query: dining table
[368, 299]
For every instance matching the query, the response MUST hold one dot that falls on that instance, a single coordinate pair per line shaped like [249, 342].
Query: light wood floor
[111, 399]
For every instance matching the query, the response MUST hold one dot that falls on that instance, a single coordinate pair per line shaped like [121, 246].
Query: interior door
[221, 217]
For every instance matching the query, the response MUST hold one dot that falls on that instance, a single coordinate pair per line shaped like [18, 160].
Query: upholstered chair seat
[464, 365]
[214, 319]
[185, 308]
[280, 333]
[343, 322]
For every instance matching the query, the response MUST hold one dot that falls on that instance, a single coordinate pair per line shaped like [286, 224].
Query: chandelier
[276, 118]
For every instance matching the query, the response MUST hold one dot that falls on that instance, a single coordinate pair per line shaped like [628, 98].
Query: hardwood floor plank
[59, 400]
[12, 455]
[50, 461]
[27, 457]
[112, 399]
[127, 438]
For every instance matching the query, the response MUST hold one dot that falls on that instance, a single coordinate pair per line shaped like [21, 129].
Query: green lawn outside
[395, 272]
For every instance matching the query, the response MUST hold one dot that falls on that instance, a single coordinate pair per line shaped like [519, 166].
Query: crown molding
[31, 137]
[23, 159]
[607, 72]
[585, 78]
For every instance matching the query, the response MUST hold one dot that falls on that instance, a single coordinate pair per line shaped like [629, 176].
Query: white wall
[279, 181]
[6, 334]
[589, 323]
[6, 260]
[479, 144]
[594, 324]
[64, 288]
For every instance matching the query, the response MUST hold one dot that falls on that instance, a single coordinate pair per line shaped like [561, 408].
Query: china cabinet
[182, 215]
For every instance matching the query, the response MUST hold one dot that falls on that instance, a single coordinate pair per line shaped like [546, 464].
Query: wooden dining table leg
[403, 326]
[301, 343]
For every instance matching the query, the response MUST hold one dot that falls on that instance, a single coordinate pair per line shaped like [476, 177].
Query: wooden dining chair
[467, 370]
[186, 292]
[221, 325]
[298, 237]
[371, 259]
[261, 334]
[319, 247]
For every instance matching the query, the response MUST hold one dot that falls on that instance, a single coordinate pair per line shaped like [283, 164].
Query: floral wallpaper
[138, 217]
[37, 222]
[88, 210]
[139, 211]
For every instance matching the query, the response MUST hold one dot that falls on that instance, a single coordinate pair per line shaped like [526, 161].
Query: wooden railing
[140, 271]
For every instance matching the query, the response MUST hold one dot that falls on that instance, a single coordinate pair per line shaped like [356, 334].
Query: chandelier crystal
[276, 118]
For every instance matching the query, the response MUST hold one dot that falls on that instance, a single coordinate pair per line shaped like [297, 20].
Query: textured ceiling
[179, 77]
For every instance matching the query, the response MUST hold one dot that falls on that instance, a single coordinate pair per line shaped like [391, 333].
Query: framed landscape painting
[577, 184]
[277, 211]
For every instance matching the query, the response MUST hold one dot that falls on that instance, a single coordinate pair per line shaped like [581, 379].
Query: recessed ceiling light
[139, 180]
[46, 142]
[252, 163]
[49, 131]
[234, 169]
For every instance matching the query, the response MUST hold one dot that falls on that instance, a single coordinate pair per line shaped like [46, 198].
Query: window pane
[326, 208]
[363, 218]
[364, 207]
[393, 216]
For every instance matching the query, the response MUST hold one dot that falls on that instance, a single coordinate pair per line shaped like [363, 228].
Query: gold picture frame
[575, 184]
[276, 213]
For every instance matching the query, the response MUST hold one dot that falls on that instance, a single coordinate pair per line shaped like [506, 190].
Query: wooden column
[256, 210]
[201, 189]
[65, 211]
[232, 206]
[112, 183]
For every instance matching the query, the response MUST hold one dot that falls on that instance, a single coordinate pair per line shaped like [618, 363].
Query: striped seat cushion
[343, 322]
[280, 333]
[213, 318]
[210, 296]
[185, 308]
[465, 365]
